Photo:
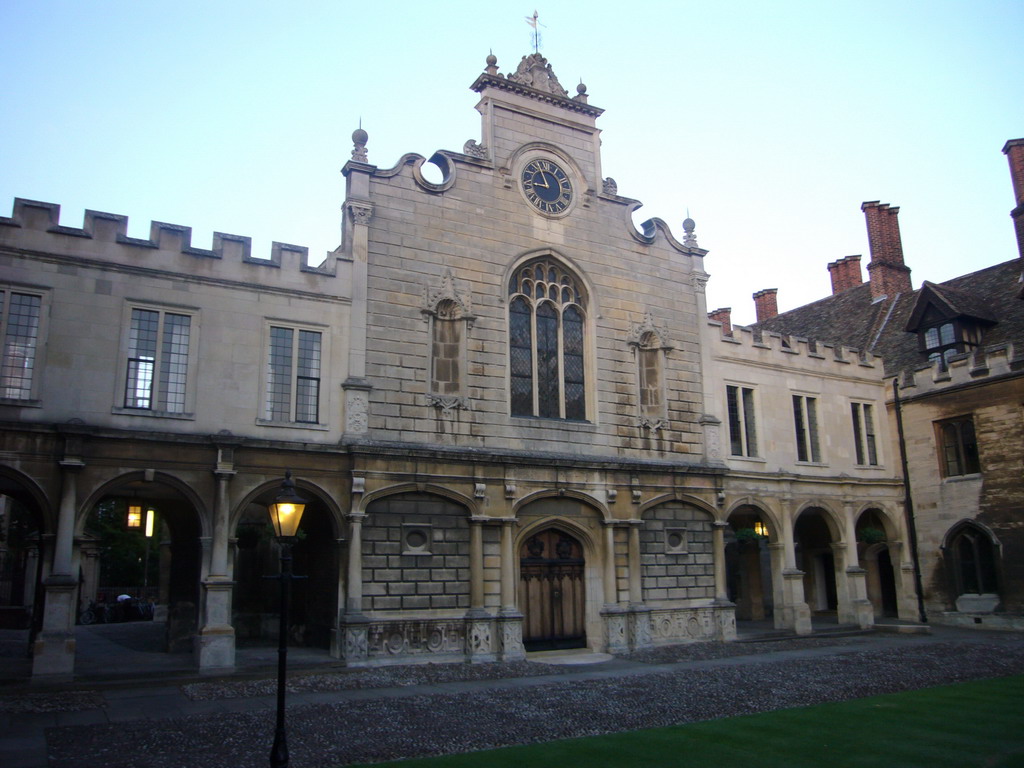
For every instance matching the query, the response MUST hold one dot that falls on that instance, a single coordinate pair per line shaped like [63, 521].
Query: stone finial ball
[492, 60]
[581, 89]
[359, 136]
[689, 225]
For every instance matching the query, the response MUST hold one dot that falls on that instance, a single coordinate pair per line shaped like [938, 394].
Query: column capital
[71, 465]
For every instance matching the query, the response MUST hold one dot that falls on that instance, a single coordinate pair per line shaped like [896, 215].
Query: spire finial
[533, 22]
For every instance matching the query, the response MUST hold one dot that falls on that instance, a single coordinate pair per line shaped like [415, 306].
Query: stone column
[215, 643]
[639, 614]
[616, 639]
[796, 614]
[718, 552]
[54, 650]
[510, 620]
[861, 612]
[354, 627]
[480, 640]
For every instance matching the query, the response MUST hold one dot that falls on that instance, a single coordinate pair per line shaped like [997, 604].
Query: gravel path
[718, 681]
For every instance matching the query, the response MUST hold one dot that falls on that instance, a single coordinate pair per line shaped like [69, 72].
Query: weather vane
[532, 21]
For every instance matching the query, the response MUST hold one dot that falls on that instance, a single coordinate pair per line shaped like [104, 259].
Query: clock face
[546, 186]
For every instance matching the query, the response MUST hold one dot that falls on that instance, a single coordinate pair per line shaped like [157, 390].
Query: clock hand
[543, 177]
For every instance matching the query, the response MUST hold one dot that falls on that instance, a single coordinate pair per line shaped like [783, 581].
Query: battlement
[758, 347]
[983, 364]
[32, 218]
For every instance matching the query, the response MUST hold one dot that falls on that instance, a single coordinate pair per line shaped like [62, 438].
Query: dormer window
[941, 342]
[947, 322]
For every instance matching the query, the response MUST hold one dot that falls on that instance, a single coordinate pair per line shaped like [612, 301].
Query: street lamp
[285, 512]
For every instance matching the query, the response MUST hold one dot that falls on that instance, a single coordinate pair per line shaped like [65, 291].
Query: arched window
[547, 310]
[973, 561]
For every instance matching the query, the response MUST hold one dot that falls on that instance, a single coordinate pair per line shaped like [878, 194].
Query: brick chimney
[1014, 151]
[886, 272]
[722, 315]
[845, 274]
[766, 304]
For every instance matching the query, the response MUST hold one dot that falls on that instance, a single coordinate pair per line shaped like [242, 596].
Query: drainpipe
[908, 501]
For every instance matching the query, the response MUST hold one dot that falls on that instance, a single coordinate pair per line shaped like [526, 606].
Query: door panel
[551, 591]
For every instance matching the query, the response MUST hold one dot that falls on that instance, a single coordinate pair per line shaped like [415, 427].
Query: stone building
[501, 398]
[952, 353]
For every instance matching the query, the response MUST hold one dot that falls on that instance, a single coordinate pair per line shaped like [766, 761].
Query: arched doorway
[813, 539]
[971, 557]
[21, 559]
[256, 599]
[552, 593]
[748, 565]
[874, 555]
[147, 532]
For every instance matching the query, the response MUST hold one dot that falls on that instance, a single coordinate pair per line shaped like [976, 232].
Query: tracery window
[547, 311]
[973, 561]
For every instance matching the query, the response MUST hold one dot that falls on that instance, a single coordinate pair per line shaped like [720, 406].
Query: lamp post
[285, 512]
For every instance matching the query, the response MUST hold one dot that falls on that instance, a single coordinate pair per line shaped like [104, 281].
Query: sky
[768, 122]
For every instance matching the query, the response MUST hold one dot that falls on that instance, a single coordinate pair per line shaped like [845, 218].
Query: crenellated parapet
[982, 365]
[36, 226]
[762, 348]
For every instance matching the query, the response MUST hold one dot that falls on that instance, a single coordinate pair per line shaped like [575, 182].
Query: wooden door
[551, 592]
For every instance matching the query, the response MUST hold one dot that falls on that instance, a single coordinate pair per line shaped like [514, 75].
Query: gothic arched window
[973, 561]
[547, 312]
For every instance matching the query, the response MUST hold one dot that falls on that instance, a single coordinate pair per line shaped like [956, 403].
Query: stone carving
[415, 638]
[615, 626]
[439, 300]
[609, 186]
[649, 334]
[535, 72]
[480, 637]
[357, 407]
[473, 149]
[639, 631]
[360, 212]
[512, 639]
[688, 625]
[355, 642]
[447, 404]
[359, 139]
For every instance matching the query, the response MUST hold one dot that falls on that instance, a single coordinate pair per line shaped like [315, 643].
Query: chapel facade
[514, 425]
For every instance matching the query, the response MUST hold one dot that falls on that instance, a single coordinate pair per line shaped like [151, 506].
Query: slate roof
[851, 318]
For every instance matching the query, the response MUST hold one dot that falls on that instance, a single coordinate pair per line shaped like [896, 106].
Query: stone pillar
[611, 598]
[860, 611]
[718, 553]
[903, 573]
[616, 638]
[510, 620]
[54, 650]
[215, 643]
[476, 565]
[795, 613]
[354, 627]
[777, 557]
[639, 614]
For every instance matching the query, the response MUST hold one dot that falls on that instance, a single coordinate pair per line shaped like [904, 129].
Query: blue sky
[769, 122]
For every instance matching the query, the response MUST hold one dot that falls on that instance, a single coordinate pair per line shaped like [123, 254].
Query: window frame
[744, 427]
[39, 341]
[865, 434]
[950, 434]
[120, 406]
[547, 338]
[807, 433]
[963, 337]
[265, 417]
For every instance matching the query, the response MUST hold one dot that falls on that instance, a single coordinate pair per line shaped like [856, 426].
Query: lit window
[864, 434]
[546, 343]
[742, 425]
[805, 419]
[293, 376]
[157, 369]
[19, 328]
[959, 447]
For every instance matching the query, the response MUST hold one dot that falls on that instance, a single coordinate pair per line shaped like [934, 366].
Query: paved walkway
[140, 684]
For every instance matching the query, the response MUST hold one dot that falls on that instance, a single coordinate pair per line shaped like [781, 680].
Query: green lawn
[970, 724]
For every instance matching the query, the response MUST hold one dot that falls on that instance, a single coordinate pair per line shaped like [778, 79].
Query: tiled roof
[853, 319]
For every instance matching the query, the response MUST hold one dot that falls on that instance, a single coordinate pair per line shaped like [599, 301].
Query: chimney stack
[722, 315]
[1014, 151]
[766, 304]
[845, 274]
[887, 273]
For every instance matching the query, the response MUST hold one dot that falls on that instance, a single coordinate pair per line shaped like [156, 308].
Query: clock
[546, 186]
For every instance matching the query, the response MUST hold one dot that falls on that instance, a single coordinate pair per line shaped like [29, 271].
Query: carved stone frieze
[357, 409]
[691, 624]
[649, 334]
[447, 404]
[361, 212]
[414, 638]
